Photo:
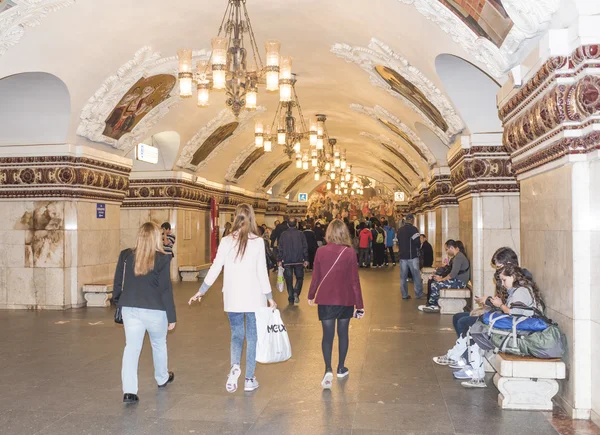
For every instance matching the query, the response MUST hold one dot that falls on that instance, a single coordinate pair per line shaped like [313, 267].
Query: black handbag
[119, 311]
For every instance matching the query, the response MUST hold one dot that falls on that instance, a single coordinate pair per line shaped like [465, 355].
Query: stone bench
[454, 300]
[526, 383]
[426, 274]
[97, 295]
[192, 273]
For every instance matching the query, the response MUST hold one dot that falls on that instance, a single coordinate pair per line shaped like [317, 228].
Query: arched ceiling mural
[122, 88]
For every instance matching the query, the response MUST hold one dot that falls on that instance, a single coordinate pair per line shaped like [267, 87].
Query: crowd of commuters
[334, 250]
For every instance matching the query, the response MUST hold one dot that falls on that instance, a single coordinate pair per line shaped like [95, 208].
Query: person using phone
[335, 288]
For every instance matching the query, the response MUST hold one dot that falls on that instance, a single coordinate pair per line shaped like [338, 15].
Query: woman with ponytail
[246, 288]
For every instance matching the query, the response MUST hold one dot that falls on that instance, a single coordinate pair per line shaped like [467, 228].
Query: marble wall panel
[195, 250]
[3, 292]
[20, 287]
[465, 215]
[595, 384]
[438, 250]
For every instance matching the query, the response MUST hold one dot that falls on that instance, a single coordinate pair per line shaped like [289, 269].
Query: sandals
[327, 381]
[232, 379]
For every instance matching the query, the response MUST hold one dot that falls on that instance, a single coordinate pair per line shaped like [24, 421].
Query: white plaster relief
[145, 63]
[25, 13]
[379, 112]
[530, 18]
[237, 162]
[225, 116]
[384, 139]
[269, 171]
[379, 53]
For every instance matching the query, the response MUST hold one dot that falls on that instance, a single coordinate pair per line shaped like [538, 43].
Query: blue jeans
[136, 322]
[434, 296]
[236, 321]
[462, 322]
[413, 266]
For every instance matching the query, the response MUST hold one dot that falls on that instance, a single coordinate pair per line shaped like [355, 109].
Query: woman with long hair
[142, 288]
[246, 288]
[335, 288]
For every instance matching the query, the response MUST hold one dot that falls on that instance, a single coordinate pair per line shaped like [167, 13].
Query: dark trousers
[363, 256]
[390, 256]
[288, 274]
[379, 254]
[462, 322]
[311, 258]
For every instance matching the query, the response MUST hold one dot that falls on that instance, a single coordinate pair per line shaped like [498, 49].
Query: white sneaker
[250, 384]
[465, 373]
[444, 360]
[420, 307]
[460, 364]
[327, 381]
[232, 379]
[474, 383]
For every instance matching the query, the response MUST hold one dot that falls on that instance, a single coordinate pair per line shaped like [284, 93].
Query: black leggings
[327, 343]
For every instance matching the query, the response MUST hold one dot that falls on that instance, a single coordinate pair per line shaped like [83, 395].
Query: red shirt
[342, 285]
[365, 236]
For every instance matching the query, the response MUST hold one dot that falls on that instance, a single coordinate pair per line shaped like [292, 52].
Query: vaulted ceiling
[393, 77]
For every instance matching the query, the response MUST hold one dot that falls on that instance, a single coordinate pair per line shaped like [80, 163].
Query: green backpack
[379, 238]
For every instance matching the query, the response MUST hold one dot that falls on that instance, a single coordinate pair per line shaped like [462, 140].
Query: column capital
[441, 192]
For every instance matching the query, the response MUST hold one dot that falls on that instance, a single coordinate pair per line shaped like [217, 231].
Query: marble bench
[454, 300]
[97, 295]
[526, 383]
[426, 274]
[192, 273]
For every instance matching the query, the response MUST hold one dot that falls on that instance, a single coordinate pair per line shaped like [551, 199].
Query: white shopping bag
[280, 279]
[273, 342]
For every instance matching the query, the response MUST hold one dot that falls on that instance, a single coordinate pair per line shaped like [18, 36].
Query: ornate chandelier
[229, 67]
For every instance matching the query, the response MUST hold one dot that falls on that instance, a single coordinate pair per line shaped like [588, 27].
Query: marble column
[552, 129]
[488, 203]
[59, 205]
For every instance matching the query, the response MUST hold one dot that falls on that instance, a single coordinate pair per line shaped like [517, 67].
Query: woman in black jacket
[143, 290]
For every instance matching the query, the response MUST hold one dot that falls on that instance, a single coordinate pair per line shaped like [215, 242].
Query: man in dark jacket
[426, 252]
[408, 253]
[276, 233]
[293, 255]
[311, 241]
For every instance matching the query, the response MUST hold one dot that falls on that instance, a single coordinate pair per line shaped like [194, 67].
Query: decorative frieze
[171, 193]
[62, 177]
[480, 169]
[297, 209]
[440, 191]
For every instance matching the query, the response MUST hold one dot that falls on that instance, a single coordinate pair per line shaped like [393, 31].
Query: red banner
[214, 228]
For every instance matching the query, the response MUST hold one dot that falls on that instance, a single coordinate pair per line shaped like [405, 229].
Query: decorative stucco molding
[530, 18]
[379, 53]
[225, 116]
[440, 191]
[235, 163]
[62, 177]
[379, 113]
[268, 171]
[145, 63]
[414, 166]
[25, 13]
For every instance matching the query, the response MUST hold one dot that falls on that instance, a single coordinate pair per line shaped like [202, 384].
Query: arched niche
[167, 143]
[432, 141]
[34, 109]
[472, 92]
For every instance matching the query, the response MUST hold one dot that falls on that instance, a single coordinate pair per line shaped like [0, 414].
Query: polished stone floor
[61, 376]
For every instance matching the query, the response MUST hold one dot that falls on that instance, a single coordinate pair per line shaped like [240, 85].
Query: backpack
[379, 238]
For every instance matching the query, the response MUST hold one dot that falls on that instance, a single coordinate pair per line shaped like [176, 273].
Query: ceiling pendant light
[317, 175]
[228, 68]
[258, 135]
[267, 146]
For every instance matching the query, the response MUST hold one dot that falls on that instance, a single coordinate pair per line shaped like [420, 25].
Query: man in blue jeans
[408, 253]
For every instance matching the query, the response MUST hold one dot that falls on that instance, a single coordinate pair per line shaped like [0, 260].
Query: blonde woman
[246, 288]
[335, 287]
[142, 288]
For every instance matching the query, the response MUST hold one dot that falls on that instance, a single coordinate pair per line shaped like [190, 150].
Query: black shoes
[130, 398]
[342, 372]
[171, 379]
[406, 298]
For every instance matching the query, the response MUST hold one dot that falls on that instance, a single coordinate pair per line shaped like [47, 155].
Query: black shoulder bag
[119, 311]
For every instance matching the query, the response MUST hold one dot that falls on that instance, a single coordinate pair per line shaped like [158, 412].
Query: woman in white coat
[246, 288]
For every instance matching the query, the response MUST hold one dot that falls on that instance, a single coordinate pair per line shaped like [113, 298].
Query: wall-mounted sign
[100, 211]
[303, 197]
[147, 153]
[399, 197]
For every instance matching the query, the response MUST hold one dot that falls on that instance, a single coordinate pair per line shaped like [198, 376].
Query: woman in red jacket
[335, 287]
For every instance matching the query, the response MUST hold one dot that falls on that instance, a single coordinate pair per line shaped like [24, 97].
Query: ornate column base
[97, 295]
[525, 393]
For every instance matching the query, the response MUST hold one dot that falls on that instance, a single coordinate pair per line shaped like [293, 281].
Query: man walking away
[364, 237]
[293, 256]
[408, 245]
[311, 241]
[390, 234]
[426, 252]
[168, 239]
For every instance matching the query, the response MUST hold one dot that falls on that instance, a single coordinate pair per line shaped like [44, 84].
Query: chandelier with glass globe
[230, 66]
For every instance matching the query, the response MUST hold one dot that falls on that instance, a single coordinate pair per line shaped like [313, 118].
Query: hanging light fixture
[228, 67]
[258, 135]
